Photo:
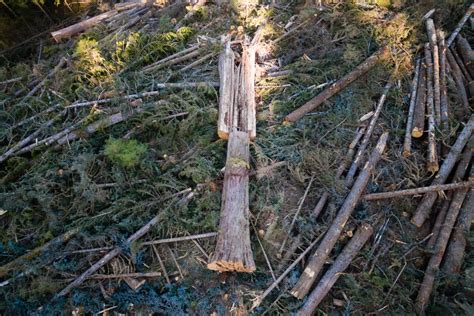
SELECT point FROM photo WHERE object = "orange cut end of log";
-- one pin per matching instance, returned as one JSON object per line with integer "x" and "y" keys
{"x": 416, "y": 132}
{"x": 229, "y": 266}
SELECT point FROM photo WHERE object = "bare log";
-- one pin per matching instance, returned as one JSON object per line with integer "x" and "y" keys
{"x": 318, "y": 259}
{"x": 197, "y": 62}
{"x": 430, "y": 27}
{"x": 177, "y": 239}
{"x": 467, "y": 54}
{"x": 457, "y": 75}
{"x": 246, "y": 101}
{"x": 432, "y": 159}
{"x": 424, "y": 207}
{"x": 125, "y": 275}
{"x": 465, "y": 73}
{"x": 411, "y": 111}
{"x": 440, "y": 217}
{"x": 227, "y": 86}
{"x": 172, "y": 62}
{"x": 173, "y": 56}
{"x": 420, "y": 107}
{"x": 321, "y": 203}
{"x": 416, "y": 191}
{"x": 459, "y": 26}
{"x": 10, "y": 81}
{"x": 433, "y": 265}
{"x": 233, "y": 251}
{"x": 351, "y": 151}
{"x": 338, "y": 85}
{"x": 365, "y": 141}
{"x": 442, "y": 82}
{"x": 343, "y": 260}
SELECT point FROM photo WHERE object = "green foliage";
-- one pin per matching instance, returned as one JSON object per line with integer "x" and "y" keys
{"x": 126, "y": 153}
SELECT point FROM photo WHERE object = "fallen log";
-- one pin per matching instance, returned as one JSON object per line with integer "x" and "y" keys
{"x": 338, "y": 85}
{"x": 174, "y": 61}
{"x": 431, "y": 30}
{"x": 197, "y": 62}
{"x": 343, "y": 260}
{"x": 457, "y": 75}
{"x": 439, "y": 221}
{"x": 442, "y": 82}
{"x": 233, "y": 251}
{"x": 416, "y": 191}
{"x": 467, "y": 54}
{"x": 317, "y": 260}
{"x": 424, "y": 207}
{"x": 411, "y": 111}
{"x": 350, "y": 152}
{"x": 459, "y": 26}
{"x": 426, "y": 287}
{"x": 368, "y": 134}
{"x": 432, "y": 159}
{"x": 321, "y": 203}
{"x": 227, "y": 87}
{"x": 420, "y": 106}
{"x": 465, "y": 73}
{"x": 246, "y": 94}
{"x": 10, "y": 81}
{"x": 173, "y": 56}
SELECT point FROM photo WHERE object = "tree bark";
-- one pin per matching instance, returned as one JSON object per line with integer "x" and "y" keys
{"x": 318, "y": 259}
{"x": 436, "y": 86}
{"x": 227, "y": 86}
{"x": 246, "y": 101}
{"x": 420, "y": 107}
{"x": 424, "y": 208}
{"x": 442, "y": 83}
{"x": 465, "y": 73}
{"x": 337, "y": 86}
{"x": 338, "y": 267}
{"x": 411, "y": 111}
{"x": 233, "y": 250}
{"x": 432, "y": 159}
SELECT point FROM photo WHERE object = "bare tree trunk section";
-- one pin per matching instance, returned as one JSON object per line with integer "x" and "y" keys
{"x": 321, "y": 203}
{"x": 246, "y": 104}
{"x": 337, "y": 86}
{"x": 233, "y": 251}
{"x": 411, "y": 111}
{"x": 420, "y": 107}
{"x": 338, "y": 267}
{"x": 318, "y": 259}
{"x": 430, "y": 27}
{"x": 442, "y": 83}
{"x": 432, "y": 159}
{"x": 226, "y": 91}
{"x": 424, "y": 207}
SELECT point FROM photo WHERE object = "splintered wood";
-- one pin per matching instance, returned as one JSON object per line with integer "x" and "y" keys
{"x": 237, "y": 123}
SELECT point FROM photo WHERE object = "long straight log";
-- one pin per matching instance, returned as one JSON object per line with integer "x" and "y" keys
{"x": 338, "y": 267}
{"x": 432, "y": 159}
{"x": 321, "y": 203}
{"x": 411, "y": 111}
{"x": 368, "y": 134}
{"x": 433, "y": 265}
{"x": 465, "y": 73}
{"x": 338, "y": 85}
{"x": 227, "y": 86}
{"x": 430, "y": 28}
{"x": 173, "y": 56}
{"x": 319, "y": 257}
{"x": 424, "y": 207}
{"x": 442, "y": 82}
{"x": 415, "y": 191}
{"x": 350, "y": 151}
{"x": 233, "y": 250}
{"x": 172, "y": 62}
{"x": 467, "y": 54}
{"x": 459, "y": 26}
{"x": 420, "y": 106}
{"x": 246, "y": 102}
{"x": 457, "y": 75}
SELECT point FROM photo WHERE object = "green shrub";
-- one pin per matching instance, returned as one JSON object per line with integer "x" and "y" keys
{"x": 126, "y": 153}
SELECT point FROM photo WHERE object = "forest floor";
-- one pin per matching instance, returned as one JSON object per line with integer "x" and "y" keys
{"x": 166, "y": 159}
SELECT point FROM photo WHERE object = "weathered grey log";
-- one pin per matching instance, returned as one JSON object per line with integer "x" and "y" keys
{"x": 343, "y": 260}
{"x": 465, "y": 73}
{"x": 420, "y": 107}
{"x": 246, "y": 101}
{"x": 227, "y": 87}
{"x": 411, "y": 111}
{"x": 459, "y": 26}
{"x": 337, "y": 86}
{"x": 439, "y": 221}
{"x": 432, "y": 159}
{"x": 430, "y": 28}
{"x": 442, "y": 82}
{"x": 424, "y": 207}
{"x": 321, "y": 203}
{"x": 318, "y": 259}
{"x": 233, "y": 251}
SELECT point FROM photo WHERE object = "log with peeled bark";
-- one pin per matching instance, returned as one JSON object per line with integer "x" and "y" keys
{"x": 87, "y": 24}
{"x": 233, "y": 251}
{"x": 457, "y": 75}
{"x": 418, "y": 125}
{"x": 246, "y": 106}
{"x": 227, "y": 86}
{"x": 467, "y": 54}
{"x": 338, "y": 85}
{"x": 368, "y": 134}
{"x": 432, "y": 159}
{"x": 442, "y": 82}
{"x": 426, "y": 287}
{"x": 424, "y": 207}
{"x": 411, "y": 111}
{"x": 319, "y": 257}
{"x": 459, "y": 26}
{"x": 343, "y": 260}
{"x": 430, "y": 28}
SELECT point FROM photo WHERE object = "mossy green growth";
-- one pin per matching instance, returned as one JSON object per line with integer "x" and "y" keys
{"x": 126, "y": 153}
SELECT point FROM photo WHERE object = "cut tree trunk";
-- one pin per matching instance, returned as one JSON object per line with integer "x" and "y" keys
{"x": 226, "y": 91}
{"x": 337, "y": 86}
{"x": 457, "y": 75}
{"x": 233, "y": 251}
{"x": 411, "y": 111}
{"x": 442, "y": 82}
{"x": 338, "y": 267}
{"x": 246, "y": 102}
{"x": 318, "y": 259}
{"x": 432, "y": 159}
{"x": 430, "y": 28}
{"x": 424, "y": 208}
{"x": 420, "y": 107}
